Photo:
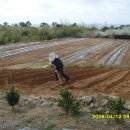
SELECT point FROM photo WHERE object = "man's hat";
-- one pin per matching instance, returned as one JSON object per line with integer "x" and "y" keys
{"x": 52, "y": 56}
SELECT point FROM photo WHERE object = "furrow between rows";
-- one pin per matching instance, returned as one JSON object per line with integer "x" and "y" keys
{"x": 84, "y": 52}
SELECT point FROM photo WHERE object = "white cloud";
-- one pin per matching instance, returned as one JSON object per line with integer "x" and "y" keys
{"x": 87, "y": 11}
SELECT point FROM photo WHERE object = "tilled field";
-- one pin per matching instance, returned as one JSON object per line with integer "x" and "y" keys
{"x": 84, "y": 81}
{"x": 84, "y": 52}
{"x": 24, "y": 64}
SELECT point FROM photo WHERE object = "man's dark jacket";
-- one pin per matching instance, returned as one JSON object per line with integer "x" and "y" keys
{"x": 58, "y": 63}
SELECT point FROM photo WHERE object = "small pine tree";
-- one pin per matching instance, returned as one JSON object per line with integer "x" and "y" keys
{"x": 117, "y": 107}
{"x": 75, "y": 108}
{"x": 69, "y": 103}
{"x": 12, "y": 95}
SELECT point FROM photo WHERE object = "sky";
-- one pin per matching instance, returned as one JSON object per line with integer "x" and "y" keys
{"x": 65, "y": 11}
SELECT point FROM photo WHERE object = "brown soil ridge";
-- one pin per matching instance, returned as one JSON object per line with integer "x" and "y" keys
{"x": 83, "y": 80}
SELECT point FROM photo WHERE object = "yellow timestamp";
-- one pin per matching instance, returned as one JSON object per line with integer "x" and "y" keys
{"x": 110, "y": 116}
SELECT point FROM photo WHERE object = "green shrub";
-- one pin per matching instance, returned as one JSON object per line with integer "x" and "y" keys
{"x": 69, "y": 103}
{"x": 75, "y": 108}
{"x": 117, "y": 107}
{"x": 12, "y": 95}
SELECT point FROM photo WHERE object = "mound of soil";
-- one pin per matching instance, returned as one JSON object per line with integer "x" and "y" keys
{"x": 84, "y": 81}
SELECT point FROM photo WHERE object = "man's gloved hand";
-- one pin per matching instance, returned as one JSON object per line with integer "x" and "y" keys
{"x": 50, "y": 64}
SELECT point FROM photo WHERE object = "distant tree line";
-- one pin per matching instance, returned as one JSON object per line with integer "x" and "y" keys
{"x": 112, "y": 27}
{"x": 120, "y": 32}
{"x": 25, "y": 31}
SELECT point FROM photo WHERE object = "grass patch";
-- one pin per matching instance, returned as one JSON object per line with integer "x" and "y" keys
{"x": 29, "y": 120}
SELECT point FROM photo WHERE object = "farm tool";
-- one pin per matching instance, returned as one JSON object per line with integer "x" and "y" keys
{"x": 59, "y": 78}
{"x": 63, "y": 83}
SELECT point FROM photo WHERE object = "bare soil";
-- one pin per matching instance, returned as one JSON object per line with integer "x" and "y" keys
{"x": 83, "y": 81}
{"x": 28, "y": 72}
